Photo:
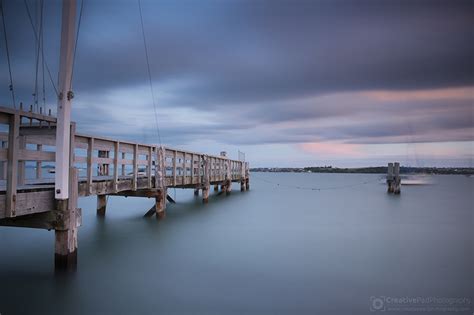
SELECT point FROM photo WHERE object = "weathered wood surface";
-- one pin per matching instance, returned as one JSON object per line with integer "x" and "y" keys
{"x": 106, "y": 166}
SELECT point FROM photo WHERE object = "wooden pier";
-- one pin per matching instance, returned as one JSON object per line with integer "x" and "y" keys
{"x": 97, "y": 166}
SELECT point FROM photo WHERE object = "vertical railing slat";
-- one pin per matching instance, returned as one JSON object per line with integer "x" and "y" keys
{"x": 148, "y": 172}
{"x": 135, "y": 167}
{"x": 39, "y": 147}
{"x": 184, "y": 169}
{"x": 21, "y": 163}
{"x": 174, "y": 167}
{"x": 12, "y": 172}
{"x": 4, "y": 163}
{"x": 116, "y": 164}
{"x": 123, "y": 165}
{"x": 192, "y": 168}
{"x": 90, "y": 159}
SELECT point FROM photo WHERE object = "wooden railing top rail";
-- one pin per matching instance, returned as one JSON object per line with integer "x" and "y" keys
{"x": 26, "y": 114}
{"x": 51, "y": 119}
{"x": 147, "y": 145}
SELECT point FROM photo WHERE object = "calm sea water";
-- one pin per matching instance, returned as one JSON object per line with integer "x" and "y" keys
{"x": 272, "y": 250}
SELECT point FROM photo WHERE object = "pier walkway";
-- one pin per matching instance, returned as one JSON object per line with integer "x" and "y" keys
{"x": 97, "y": 166}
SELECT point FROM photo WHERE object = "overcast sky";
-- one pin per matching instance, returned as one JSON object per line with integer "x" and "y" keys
{"x": 291, "y": 83}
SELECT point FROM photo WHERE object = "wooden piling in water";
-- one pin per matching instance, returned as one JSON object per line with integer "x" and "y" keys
{"x": 101, "y": 205}
{"x": 393, "y": 178}
{"x": 205, "y": 194}
{"x": 69, "y": 217}
{"x": 228, "y": 187}
{"x": 160, "y": 203}
{"x": 242, "y": 185}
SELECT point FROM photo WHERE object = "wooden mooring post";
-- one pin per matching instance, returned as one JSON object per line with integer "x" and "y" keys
{"x": 393, "y": 178}
{"x": 101, "y": 205}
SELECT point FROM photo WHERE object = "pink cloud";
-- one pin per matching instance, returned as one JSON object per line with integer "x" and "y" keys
{"x": 332, "y": 149}
{"x": 421, "y": 95}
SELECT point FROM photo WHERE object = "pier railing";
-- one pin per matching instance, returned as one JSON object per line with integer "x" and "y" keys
{"x": 106, "y": 166}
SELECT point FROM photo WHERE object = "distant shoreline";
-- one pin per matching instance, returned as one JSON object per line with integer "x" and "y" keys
{"x": 368, "y": 170}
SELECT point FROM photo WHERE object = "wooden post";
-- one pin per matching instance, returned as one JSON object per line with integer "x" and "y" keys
{"x": 174, "y": 167}
{"x": 90, "y": 160}
{"x": 39, "y": 147}
{"x": 65, "y": 249}
{"x": 150, "y": 163}
{"x": 123, "y": 165}
{"x": 196, "y": 191}
{"x": 12, "y": 166}
{"x": 68, "y": 32}
{"x": 192, "y": 168}
{"x": 397, "y": 179}
{"x": 216, "y": 187}
{"x": 4, "y": 164}
{"x": 101, "y": 205}
{"x": 135, "y": 167}
{"x": 247, "y": 176}
{"x": 228, "y": 187}
{"x": 228, "y": 181}
{"x": 21, "y": 163}
{"x": 205, "y": 187}
{"x": 393, "y": 178}
{"x": 160, "y": 203}
{"x": 211, "y": 169}
{"x": 103, "y": 168}
{"x": 242, "y": 175}
{"x": 160, "y": 168}
{"x": 390, "y": 178}
{"x": 184, "y": 169}
{"x": 116, "y": 165}
{"x": 205, "y": 194}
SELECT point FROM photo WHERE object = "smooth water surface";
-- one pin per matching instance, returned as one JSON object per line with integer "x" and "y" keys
{"x": 273, "y": 249}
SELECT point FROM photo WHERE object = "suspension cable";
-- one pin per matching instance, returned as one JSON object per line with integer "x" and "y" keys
{"x": 42, "y": 61}
{"x": 8, "y": 54}
{"x": 36, "y": 38}
{"x": 38, "y": 49}
{"x": 76, "y": 41}
{"x": 149, "y": 72}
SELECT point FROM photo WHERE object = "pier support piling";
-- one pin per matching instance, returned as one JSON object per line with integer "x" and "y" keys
{"x": 69, "y": 219}
{"x": 160, "y": 203}
{"x": 216, "y": 187}
{"x": 228, "y": 187}
{"x": 196, "y": 191}
{"x": 393, "y": 178}
{"x": 205, "y": 194}
{"x": 101, "y": 205}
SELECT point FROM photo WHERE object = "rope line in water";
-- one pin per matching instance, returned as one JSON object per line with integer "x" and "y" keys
{"x": 315, "y": 188}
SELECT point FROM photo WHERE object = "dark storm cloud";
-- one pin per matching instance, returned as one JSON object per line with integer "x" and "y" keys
{"x": 263, "y": 61}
